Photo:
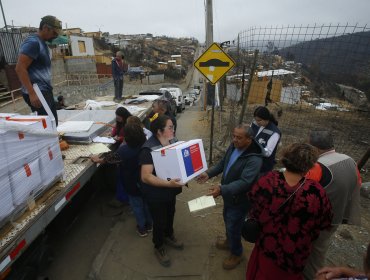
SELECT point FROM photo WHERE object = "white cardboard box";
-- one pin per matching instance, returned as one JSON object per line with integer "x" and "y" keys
{"x": 182, "y": 160}
{"x": 6, "y": 199}
{"x": 3, "y": 116}
{"x": 51, "y": 165}
{"x": 35, "y": 123}
{"x": 3, "y": 161}
{"x": 24, "y": 179}
{"x": 18, "y": 144}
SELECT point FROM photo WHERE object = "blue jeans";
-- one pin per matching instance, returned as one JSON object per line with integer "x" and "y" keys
{"x": 121, "y": 194}
{"x": 234, "y": 216}
{"x": 118, "y": 88}
{"x": 49, "y": 98}
{"x": 141, "y": 211}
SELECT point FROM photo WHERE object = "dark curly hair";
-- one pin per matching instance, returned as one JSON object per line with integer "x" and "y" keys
{"x": 159, "y": 124}
{"x": 299, "y": 157}
{"x": 134, "y": 135}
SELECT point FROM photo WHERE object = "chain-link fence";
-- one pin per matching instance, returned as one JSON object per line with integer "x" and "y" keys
{"x": 310, "y": 77}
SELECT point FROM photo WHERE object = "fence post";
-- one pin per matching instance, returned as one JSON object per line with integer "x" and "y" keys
{"x": 253, "y": 69}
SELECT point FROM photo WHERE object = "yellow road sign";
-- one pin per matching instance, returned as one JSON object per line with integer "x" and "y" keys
{"x": 214, "y": 63}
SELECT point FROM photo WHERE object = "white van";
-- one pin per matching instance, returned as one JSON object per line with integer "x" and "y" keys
{"x": 178, "y": 97}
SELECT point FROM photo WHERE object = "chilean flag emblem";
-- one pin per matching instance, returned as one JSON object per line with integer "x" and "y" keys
{"x": 192, "y": 159}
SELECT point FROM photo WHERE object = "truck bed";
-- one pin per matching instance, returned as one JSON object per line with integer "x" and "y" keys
{"x": 18, "y": 234}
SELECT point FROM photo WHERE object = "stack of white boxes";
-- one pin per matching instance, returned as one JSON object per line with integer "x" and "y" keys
{"x": 32, "y": 155}
{"x": 6, "y": 200}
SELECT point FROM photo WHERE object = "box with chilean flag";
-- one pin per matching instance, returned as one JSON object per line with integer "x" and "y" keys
{"x": 183, "y": 160}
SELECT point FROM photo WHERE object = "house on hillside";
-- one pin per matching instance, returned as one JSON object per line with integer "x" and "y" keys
{"x": 177, "y": 58}
{"x": 82, "y": 46}
{"x": 171, "y": 63}
{"x": 94, "y": 34}
{"x": 162, "y": 65}
{"x": 73, "y": 31}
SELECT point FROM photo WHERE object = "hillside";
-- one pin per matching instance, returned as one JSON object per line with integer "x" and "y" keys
{"x": 343, "y": 59}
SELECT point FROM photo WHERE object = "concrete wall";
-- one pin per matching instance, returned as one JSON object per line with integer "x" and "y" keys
{"x": 291, "y": 95}
{"x": 80, "y": 65}
{"x": 58, "y": 71}
{"x": 154, "y": 79}
{"x": 76, "y": 94}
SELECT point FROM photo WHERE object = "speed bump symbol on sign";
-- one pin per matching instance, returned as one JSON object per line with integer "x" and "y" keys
{"x": 214, "y": 63}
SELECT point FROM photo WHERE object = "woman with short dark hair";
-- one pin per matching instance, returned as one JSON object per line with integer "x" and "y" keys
{"x": 291, "y": 212}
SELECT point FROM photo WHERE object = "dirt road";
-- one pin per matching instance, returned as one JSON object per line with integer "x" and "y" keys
{"x": 101, "y": 245}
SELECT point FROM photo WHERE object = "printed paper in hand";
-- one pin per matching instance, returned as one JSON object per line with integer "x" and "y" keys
{"x": 98, "y": 148}
{"x": 104, "y": 140}
{"x": 200, "y": 203}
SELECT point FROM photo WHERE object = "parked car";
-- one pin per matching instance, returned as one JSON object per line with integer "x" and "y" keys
{"x": 165, "y": 95}
{"x": 170, "y": 86}
{"x": 189, "y": 100}
{"x": 178, "y": 97}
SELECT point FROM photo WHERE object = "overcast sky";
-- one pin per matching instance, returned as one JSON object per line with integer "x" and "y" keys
{"x": 185, "y": 18}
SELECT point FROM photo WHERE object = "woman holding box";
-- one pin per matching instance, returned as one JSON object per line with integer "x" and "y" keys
{"x": 160, "y": 194}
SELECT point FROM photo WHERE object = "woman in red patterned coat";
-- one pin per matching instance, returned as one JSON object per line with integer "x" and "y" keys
{"x": 291, "y": 211}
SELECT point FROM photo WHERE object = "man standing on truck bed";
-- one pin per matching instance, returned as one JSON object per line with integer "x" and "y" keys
{"x": 34, "y": 65}
{"x": 119, "y": 68}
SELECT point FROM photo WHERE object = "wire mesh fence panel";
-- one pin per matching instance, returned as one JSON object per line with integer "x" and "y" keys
{"x": 310, "y": 77}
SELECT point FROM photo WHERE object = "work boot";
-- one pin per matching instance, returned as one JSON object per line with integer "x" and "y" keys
{"x": 162, "y": 256}
{"x": 232, "y": 261}
{"x": 222, "y": 244}
{"x": 174, "y": 243}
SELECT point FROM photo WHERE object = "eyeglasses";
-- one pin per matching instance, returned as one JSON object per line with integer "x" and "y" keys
{"x": 55, "y": 33}
{"x": 170, "y": 127}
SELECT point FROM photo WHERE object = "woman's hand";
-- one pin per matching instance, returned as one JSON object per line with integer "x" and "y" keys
{"x": 202, "y": 178}
{"x": 329, "y": 273}
{"x": 96, "y": 159}
{"x": 176, "y": 183}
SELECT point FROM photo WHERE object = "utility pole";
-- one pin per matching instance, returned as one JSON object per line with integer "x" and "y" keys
{"x": 211, "y": 88}
{"x": 209, "y": 41}
{"x": 209, "y": 23}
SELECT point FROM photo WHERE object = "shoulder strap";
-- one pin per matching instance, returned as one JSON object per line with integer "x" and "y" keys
{"x": 300, "y": 186}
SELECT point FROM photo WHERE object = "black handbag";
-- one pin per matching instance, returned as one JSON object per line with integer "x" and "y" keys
{"x": 251, "y": 228}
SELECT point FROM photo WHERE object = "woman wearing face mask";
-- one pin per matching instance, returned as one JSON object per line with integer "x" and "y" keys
{"x": 160, "y": 194}
{"x": 267, "y": 134}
